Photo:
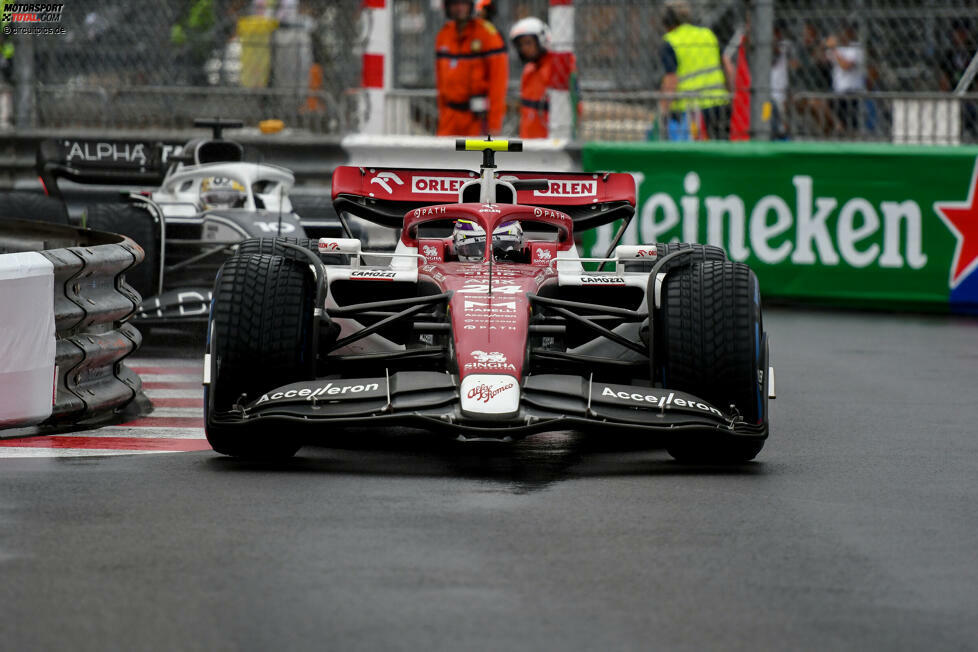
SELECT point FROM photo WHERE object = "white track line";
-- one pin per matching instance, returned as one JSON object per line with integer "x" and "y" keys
{"x": 142, "y": 433}
{"x": 174, "y": 393}
{"x": 165, "y": 362}
{"x": 176, "y": 412}
{"x": 195, "y": 379}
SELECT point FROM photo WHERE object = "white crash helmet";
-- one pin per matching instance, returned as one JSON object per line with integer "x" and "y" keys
{"x": 531, "y": 27}
{"x": 221, "y": 192}
{"x": 507, "y": 238}
{"x": 470, "y": 240}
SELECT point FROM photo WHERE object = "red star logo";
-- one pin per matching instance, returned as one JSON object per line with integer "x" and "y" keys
{"x": 962, "y": 219}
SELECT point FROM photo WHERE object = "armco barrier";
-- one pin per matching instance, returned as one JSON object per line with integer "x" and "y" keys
{"x": 859, "y": 225}
{"x": 90, "y": 300}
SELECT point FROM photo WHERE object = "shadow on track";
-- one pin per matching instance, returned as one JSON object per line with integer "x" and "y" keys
{"x": 526, "y": 466}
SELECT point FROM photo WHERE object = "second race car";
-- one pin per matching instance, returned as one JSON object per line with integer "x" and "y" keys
{"x": 205, "y": 199}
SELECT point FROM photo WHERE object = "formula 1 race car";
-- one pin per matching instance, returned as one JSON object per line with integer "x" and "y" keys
{"x": 207, "y": 199}
{"x": 484, "y": 324}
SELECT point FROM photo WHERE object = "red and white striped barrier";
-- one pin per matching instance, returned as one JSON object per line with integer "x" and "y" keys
{"x": 377, "y": 64}
{"x": 561, "y": 20}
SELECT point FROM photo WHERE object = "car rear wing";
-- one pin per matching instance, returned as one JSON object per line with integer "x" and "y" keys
{"x": 115, "y": 162}
{"x": 103, "y": 161}
{"x": 384, "y": 195}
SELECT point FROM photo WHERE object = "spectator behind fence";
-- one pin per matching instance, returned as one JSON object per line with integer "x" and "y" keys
{"x": 951, "y": 63}
{"x": 691, "y": 58}
{"x": 193, "y": 35}
{"x": 811, "y": 71}
{"x": 779, "y": 81}
{"x": 848, "y": 59}
{"x": 735, "y": 63}
{"x": 471, "y": 71}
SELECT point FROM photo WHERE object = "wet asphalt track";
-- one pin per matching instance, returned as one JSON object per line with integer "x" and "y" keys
{"x": 857, "y": 529}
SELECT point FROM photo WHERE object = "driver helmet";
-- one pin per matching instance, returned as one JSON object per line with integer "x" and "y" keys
{"x": 507, "y": 239}
{"x": 221, "y": 192}
{"x": 470, "y": 240}
{"x": 531, "y": 27}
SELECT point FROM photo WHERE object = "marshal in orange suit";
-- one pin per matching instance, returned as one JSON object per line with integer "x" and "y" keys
{"x": 542, "y": 70}
{"x": 471, "y": 71}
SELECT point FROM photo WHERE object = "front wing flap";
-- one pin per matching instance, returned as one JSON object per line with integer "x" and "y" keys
{"x": 430, "y": 400}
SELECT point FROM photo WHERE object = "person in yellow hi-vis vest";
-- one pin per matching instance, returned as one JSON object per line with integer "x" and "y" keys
{"x": 691, "y": 58}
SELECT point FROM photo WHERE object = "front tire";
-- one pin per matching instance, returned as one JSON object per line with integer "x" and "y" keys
{"x": 260, "y": 337}
{"x": 712, "y": 346}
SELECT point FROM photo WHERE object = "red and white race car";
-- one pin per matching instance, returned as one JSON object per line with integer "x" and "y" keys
{"x": 484, "y": 323}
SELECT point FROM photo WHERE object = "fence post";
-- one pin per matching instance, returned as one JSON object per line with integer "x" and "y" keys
{"x": 377, "y": 64}
{"x": 761, "y": 35}
{"x": 562, "y": 109}
{"x": 24, "y": 101}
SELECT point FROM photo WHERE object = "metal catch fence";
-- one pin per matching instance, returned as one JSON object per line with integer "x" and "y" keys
{"x": 880, "y": 70}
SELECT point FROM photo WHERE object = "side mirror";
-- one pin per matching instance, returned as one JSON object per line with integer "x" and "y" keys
{"x": 639, "y": 252}
{"x": 349, "y": 246}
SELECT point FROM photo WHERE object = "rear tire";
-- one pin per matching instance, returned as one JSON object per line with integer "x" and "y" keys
{"x": 140, "y": 226}
{"x": 275, "y": 247}
{"x": 33, "y": 206}
{"x": 260, "y": 338}
{"x": 700, "y": 254}
{"x": 313, "y": 206}
{"x": 711, "y": 346}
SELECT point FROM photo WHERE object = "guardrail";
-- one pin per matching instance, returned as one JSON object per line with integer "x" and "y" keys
{"x": 89, "y": 306}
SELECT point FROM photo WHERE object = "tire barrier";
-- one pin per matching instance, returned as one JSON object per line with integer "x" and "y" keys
{"x": 82, "y": 370}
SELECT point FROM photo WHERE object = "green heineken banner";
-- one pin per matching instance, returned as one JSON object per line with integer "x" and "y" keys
{"x": 849, "y": 224}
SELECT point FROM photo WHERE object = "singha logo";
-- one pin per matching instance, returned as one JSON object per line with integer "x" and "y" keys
{"x": 482, "y": 356}
{"x": 429, "y": 251}
{"x": 544, "y": 254}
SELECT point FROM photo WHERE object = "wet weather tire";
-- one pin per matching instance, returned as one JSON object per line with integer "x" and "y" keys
{"x": 260, "y": 338}
{"x": 711, "y": 346}
{"x": 275, "y": 247}
{"x": 139, "y": 225}
{"x": 699, "y": 253}
{"x": 33, "y": 206}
